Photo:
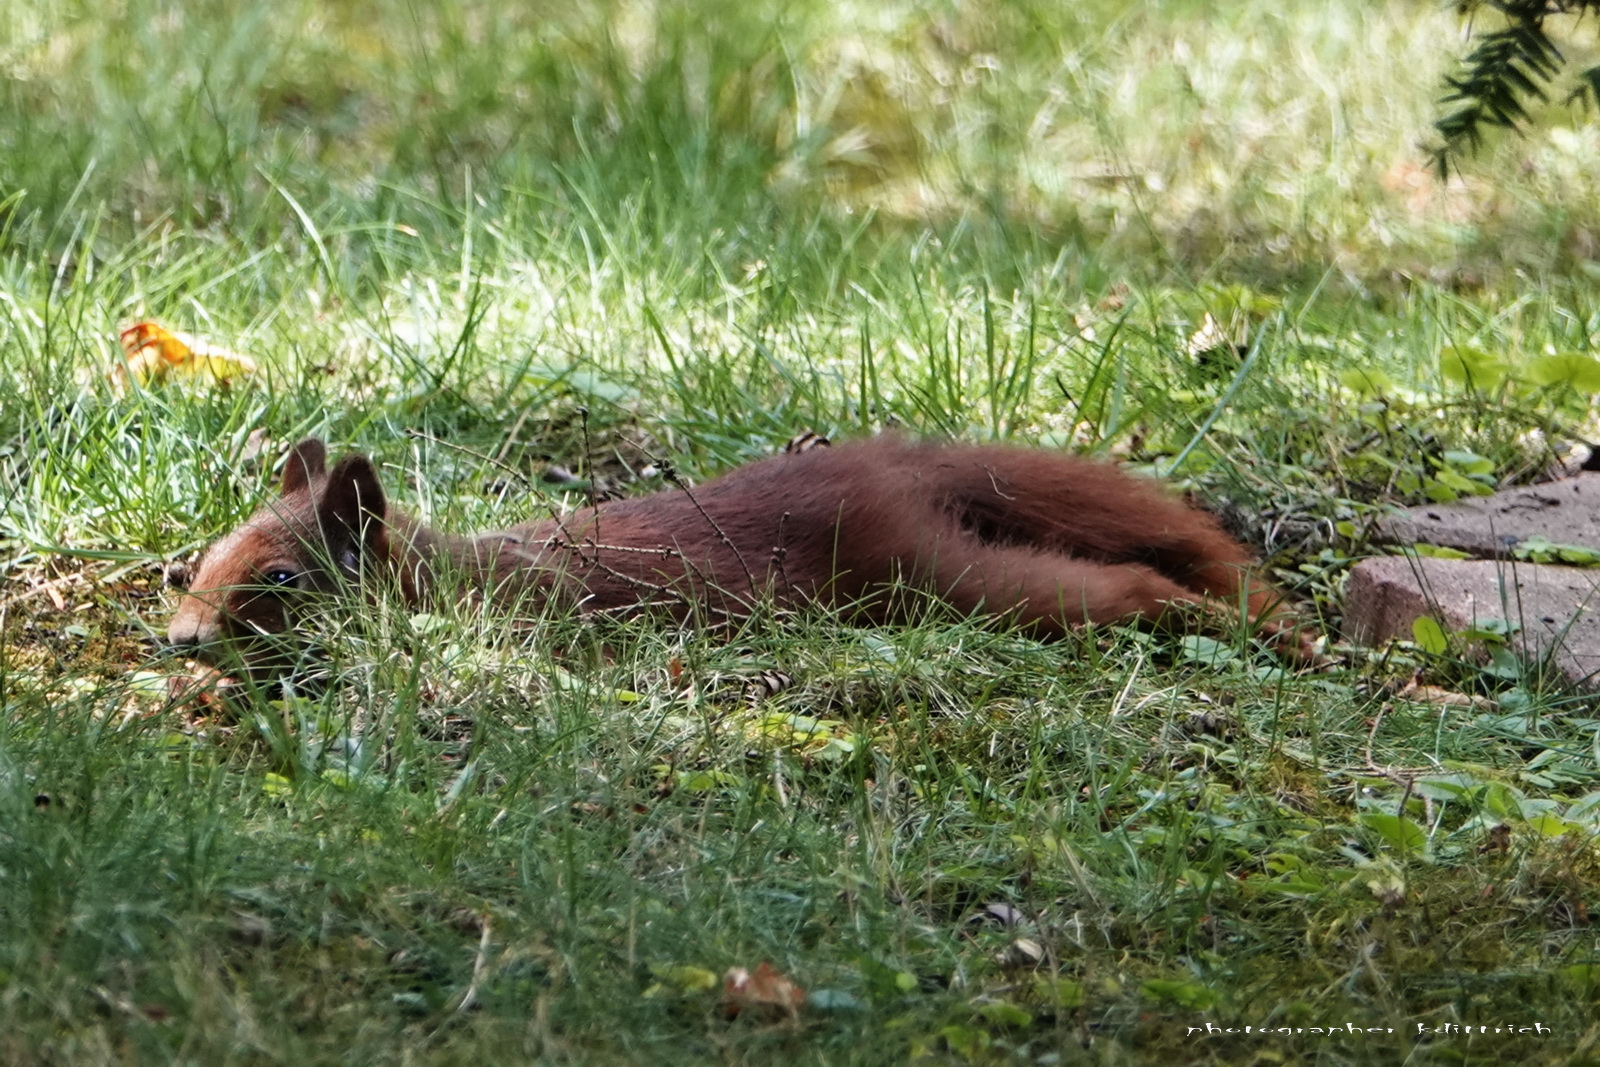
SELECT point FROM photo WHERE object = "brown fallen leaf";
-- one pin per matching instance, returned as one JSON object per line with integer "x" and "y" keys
{"x": 1497, "y": 840}
{"x": 765, "y": 991}
{"x": 206, "y": 690}
{"x": 1444, "y": 698}
{"x": 256, "y": 447}
{"x": 1022, "y": 953}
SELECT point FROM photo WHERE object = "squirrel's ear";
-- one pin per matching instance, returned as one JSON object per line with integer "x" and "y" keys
{"x": 351, "y": 509}
{"x": 305, "y": 464}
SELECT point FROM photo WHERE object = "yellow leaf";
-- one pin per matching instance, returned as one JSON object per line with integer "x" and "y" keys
{"x": 156, "y": 354}
{"x": 683, "y": 979}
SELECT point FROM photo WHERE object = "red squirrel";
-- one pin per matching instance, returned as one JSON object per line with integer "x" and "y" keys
{"x": 1040, "y": 539}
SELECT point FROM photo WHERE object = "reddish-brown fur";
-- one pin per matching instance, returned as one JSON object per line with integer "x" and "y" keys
{"x": 1047, "y": 540}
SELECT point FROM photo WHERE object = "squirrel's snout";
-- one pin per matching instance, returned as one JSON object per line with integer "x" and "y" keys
{"x": 188, "y": 631}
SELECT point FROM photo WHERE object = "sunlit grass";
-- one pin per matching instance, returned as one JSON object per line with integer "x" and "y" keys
{"x": 1175, "y": 141}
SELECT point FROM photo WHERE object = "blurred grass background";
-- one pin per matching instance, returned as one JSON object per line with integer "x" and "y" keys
{"x": 1178, "y": 140}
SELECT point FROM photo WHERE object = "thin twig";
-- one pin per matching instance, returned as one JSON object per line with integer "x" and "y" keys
{"x": 673, "y": 591}
{"x": 492, "y": 461}
{"x": 468, "y": 997}
{"x": 1377, "y": 720}
{"x": 780, "y": 553}
{"x": 588, "y": 466}
{"x": 670, "y": 473}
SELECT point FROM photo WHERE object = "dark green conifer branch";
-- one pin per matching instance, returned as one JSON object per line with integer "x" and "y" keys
{"x": 1508, "y": 69}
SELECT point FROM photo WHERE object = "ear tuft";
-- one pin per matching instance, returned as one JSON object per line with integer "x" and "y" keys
{"x": 306, "y": 463}
{"x": 351, "y": 508}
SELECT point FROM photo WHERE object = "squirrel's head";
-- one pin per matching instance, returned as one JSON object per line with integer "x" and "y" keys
{"x": 246, "y": 588}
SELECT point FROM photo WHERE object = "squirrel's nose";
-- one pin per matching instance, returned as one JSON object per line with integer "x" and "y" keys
{"x": 187, "y": 632}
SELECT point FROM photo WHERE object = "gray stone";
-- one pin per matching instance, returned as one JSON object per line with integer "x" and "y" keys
{"x": 1565, "y": 512}
{"x": 1557, "y": 608}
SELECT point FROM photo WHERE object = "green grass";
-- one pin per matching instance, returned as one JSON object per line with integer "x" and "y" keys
{"x": 485, "y": 239}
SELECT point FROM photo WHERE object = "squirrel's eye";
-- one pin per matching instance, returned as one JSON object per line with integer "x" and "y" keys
{"x": 281, "y": 576}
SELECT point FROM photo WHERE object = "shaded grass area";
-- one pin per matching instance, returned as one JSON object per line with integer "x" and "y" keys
{"x": 481, "y": 241}
{"x": 519, "y": 866}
